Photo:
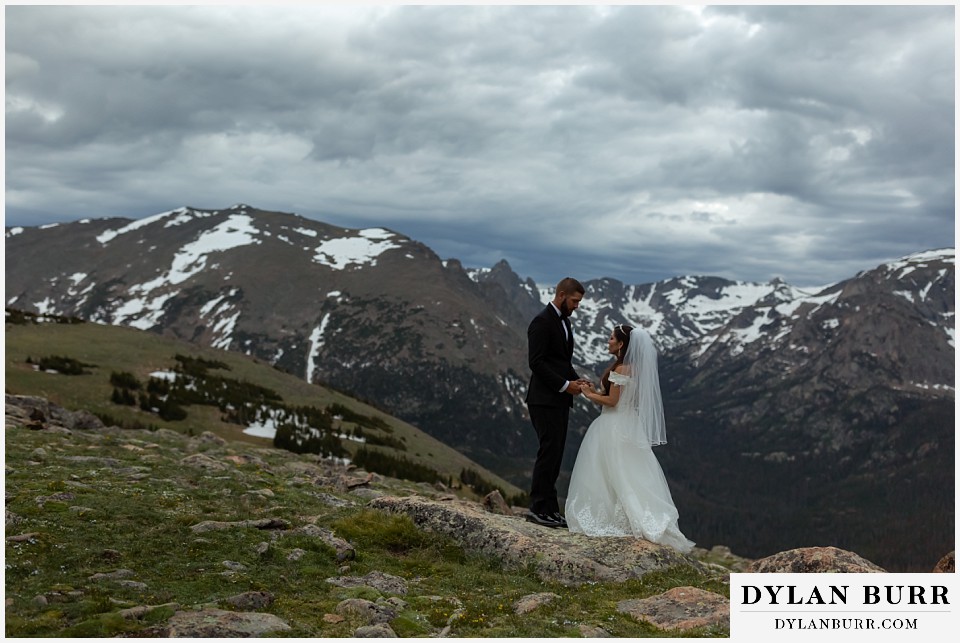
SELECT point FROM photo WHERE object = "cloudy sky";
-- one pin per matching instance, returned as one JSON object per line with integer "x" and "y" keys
{"x": 637, "y": 142}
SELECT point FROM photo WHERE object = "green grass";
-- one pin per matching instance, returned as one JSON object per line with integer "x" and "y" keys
{"x": 108, "y": 349}
{"x": 138, "y": 516}
{"x": 144, "y": 526}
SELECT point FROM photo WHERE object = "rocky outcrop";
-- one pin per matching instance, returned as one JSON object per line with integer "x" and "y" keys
{"x": 386, "y": 583}
{"x": 556, "y": 555}
{"x": 214, "y": 623}
{"x": 37, "y": 413}
{"x": 946, "y": 564}
{"x": 261, "y": 523}
{"x": 494, "y": 503}
{"x": 813, "y": 560}
{"x": 533, "y": 601}
{"x": 681, "y": 608}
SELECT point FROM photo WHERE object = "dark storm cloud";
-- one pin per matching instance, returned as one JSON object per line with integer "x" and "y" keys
{"x": 637, "y": 143}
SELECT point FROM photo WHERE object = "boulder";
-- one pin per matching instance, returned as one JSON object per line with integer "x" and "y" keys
{"x": 946, "y": 564}
{"x": 555, "y": 554}
{"x": 813, "y": 560}
{"x": 384, "y": 583}
{"x": 264, "y": 523}
{"x": 214, "y": 623}
{"x": 250, "y": 601}
{"x": 531, "y": 602}
{"x": 494, "y": 503}
{"x": 345, "y": 551}
{"x": 369, "y": 612}
{"x": 681, "y": 608}
{"x": 381, "y": 631}
{"x": 203, "y": 461}
{"x": 40, "y": 413}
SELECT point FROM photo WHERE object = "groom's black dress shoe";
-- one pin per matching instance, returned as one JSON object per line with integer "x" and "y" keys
{"x": 544, "y": 520}
{"x": 561, "y": 521}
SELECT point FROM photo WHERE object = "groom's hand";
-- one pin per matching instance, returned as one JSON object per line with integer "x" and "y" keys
{"x": 574, "y": 388}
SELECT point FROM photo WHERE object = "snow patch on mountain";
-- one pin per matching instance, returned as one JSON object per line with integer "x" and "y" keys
{"x": 109, "y": 235}
{"x": 361, "y": 250}
{"x": 144, "y": 310}
{"x": 905, "y": 265}
{"x": 45, "y": 307}
{"x": 142, "y": 313}
{"x": 214, "y": 303}
{"x": 315, "y": 343}
{"x": 222, "y": 315}
{"x": 235, "y": 231}
{"x": 223, "y": 329}
{"x": 771, "y": 324}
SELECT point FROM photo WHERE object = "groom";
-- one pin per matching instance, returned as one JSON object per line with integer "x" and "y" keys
{"x": 553, "y": 386}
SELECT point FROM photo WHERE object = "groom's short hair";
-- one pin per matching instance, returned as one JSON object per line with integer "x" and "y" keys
{"x": 570, "y": 285}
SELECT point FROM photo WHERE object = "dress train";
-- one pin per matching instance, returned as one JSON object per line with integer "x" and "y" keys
{"x": 617, "y": 488}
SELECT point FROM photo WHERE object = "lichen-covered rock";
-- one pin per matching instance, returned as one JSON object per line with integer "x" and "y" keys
{"x": 264, "y": 523}
{"x": 385, "y": 583}
{"x": 250, "y": 601}
{"x": 494, "y": 503}
{"x": 133, "y": 613}
{"x": 593, "y": 632}
{"x": 369, "y": 612}
{"x": 203, "y": 461}
{"x": 814, "y": 560}
{"x": 214, "y": 623}
{"x": 555, "y": 554}
{"x": 116, "y": 574}
{"x": 381, "y": 631}
{"x": 531, "y": 602}
{"x": 345, "y": 551}
{"x": 946, "y": 564}
{"x": 40, "y": 414}
{"x": 681, "y": 608}
{"x": 722, "y": 556}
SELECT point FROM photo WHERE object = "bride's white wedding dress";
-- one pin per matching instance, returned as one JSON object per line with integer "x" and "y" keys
{"x": 617, "y": 487}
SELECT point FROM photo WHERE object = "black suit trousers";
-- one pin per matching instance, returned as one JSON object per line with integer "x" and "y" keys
{"x": 550, "y": 423}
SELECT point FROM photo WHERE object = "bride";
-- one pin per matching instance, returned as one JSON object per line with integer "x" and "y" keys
{"x": 617, "y": 487}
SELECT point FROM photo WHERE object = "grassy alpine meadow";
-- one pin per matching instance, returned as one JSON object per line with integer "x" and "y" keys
{"x": 100, "y": 522}
{"x": 104, "y": 349}
{"x": 105, "y": 527}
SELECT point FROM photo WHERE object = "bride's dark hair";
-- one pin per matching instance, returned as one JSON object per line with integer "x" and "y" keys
{"x": 621, "y": 332}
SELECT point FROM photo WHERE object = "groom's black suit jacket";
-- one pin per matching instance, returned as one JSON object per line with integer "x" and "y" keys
{"x": 550, "y": 355}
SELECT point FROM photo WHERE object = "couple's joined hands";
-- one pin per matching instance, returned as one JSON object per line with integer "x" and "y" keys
{"x": 580, "y": 386}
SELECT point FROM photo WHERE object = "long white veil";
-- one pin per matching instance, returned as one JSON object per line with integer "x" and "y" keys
{"x": 640, "y": 408}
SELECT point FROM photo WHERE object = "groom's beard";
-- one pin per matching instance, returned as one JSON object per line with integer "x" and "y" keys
{"x": 564, "y": 309}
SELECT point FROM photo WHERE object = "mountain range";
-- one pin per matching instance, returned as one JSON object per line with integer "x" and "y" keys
{"x": 792, "y": 413}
